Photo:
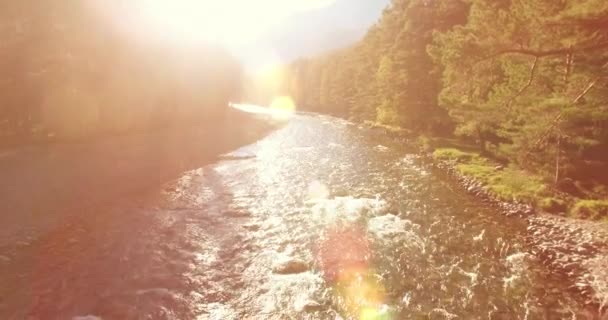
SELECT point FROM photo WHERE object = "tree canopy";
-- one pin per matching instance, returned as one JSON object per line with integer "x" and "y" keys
{"x": 525, "y": 80}
{"x": 388, "y": 76}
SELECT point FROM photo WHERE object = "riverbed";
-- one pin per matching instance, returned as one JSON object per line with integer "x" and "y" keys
{"x": 323, "y": 219}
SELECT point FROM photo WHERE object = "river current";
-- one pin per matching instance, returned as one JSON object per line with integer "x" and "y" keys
{"x": 322, "y": 219}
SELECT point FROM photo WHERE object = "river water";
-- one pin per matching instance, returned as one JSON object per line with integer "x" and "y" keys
{"x": 320, "y": 220}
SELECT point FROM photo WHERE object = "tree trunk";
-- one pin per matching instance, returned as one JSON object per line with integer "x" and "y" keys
{"x": 558, "y": 157}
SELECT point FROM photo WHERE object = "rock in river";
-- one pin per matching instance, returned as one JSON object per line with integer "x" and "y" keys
{"x": 290, "y": 266}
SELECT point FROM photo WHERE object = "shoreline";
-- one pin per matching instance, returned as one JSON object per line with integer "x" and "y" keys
{"x": 576, "y": 249}
{"x": 572, "y": 248}
{"x": 45, "y": 185}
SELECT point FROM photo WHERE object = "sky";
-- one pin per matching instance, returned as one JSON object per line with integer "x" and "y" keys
{"x": 255, "y": 31}
{"x": 228, "y": 22}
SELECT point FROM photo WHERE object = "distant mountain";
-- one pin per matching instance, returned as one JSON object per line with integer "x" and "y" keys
{"x": 317, "y": 31}
{"x": 343, "y": 23}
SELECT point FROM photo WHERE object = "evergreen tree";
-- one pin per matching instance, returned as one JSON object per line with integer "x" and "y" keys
{"x": 527, "y": 79}
{"x": 389, "y": 76}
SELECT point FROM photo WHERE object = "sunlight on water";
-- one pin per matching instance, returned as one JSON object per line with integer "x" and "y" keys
{"x": 345, "y": 253}
{"x": 317, "y": 191}
{"x": 283, "y": 103}
{"x": 281, "y": 108}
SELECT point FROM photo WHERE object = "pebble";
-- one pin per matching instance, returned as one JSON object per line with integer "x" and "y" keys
{"x": 563, "y": 245}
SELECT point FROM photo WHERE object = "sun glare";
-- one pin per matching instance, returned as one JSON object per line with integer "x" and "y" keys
{"x": 229, "y": 22}
{"x": 281, "y": 108}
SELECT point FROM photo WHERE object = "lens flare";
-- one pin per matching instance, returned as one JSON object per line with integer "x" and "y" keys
{"x": 282, "y": 108}
{"x": 382, "y": 313}
{"x": 344, "y": 255}
{"x": 283, "y": 104}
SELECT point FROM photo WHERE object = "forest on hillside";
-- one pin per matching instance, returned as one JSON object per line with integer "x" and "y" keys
{"x": 68, "y": 73}
{"x": 526, "y": 81}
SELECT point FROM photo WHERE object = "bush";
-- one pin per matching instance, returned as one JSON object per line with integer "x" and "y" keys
{"x": 515, "y": 184}
{"x": 590, "y": 209}
{"x": 508, "y": 184}
{"x": 387, "y": 114}
{"x": 424, "y": 143}
{"x": 455, "y": 155}
{"x": 552, "y": 205}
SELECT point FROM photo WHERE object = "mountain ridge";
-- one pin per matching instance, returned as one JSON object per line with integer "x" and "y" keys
{"x": 341, "y": 24}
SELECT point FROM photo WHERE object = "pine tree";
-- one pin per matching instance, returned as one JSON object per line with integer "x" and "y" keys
{"x": 527, "y": 79}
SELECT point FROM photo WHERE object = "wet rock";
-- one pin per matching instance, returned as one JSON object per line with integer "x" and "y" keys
{"x": 309, "y": 306}
{"x": 155, "y": 291}
{"x": 252, "y": 227}
{"x": 235, "y": 213}
{"x": 171, "y": 189}
{"x": 290, "y": 266}
{"x": 407, "y": 299}
{"x": 441, "y": 314}
{"x": 575, "y": 249}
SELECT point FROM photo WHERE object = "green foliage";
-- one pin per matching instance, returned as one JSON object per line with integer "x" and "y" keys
{"x": 388, "y": 77}
{"x": 451, "y": 154}
{"x": 515, "y": 184}
{"x": 522, "y": 78}
{"x": 424, "y": 143}
{"x": 526, "y": 81}
{"x": 590, "y": 209}
{"x": 387, "y": 114}
{"x": 509, "y": 184}
{"x": 552, "y": 205}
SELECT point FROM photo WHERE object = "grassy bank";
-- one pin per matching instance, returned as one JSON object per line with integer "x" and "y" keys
{"x": 388, "y": 128}
{"x": 512, "y": 184}
{"x": 508, "y": 182}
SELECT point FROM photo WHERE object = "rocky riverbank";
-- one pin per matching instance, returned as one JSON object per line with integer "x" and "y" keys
{"x": 572, "y": 248}
{"x": 477, "y": 188}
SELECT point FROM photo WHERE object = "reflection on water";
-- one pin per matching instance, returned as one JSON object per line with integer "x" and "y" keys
{"x": 391, "y": 240}
{"x": 321, "y": 220}
{"x": 281, "y": 109}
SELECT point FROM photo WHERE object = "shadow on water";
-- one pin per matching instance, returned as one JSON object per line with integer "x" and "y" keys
{"x": 44, "y": 184}
{"x": 158, "y": 257}
{"x": 79, "y": 219}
